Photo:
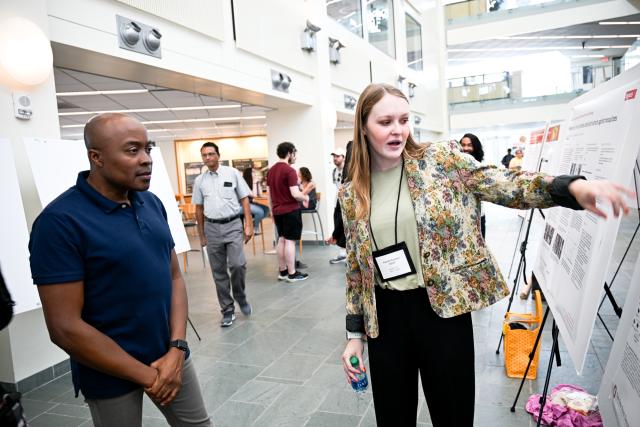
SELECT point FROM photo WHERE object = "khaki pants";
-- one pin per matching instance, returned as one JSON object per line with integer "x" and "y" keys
{"x": 225, "y": 247}
{"x": 186, "y": 410}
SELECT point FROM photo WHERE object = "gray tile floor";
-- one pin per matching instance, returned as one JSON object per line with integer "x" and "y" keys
{"x": 281, "y": 366}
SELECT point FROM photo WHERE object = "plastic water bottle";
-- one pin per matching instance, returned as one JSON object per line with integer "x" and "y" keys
{"x": 359, "y": 386}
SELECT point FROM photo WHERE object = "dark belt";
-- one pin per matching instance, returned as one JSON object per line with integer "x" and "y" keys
{"x": 222, "y": 220}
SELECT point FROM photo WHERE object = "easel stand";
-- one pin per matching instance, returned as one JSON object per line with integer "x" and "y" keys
{"x": 616, "y": 308}
{"x": 194, "y": 328}
{"x": 607, "y": 288}
{"x": 522, "y": 266}
{"x": 555, "y": 353}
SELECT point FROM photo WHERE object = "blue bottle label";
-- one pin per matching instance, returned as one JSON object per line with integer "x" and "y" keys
{"x": 362, "y": 383}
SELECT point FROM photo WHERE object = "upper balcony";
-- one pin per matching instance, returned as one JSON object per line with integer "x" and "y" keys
{"x": 520, "y": 97}
{"x": 475, "y": 20}
{"x": 518, "y": 62}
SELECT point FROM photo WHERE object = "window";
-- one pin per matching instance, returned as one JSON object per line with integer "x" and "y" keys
{"x": 348, "y": 13}
{"x": 380, "y": 25}
{"x": 414, "y": 43}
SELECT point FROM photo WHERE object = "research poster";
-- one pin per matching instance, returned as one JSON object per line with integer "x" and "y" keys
{"x": 619, "y": 395}
{"x": 540, "y": 148}
{"x": 599, "y": 141}
{"x": 55, "y": 165}
{"x": 532, "y": 153}
{"x": 14, "y": 250}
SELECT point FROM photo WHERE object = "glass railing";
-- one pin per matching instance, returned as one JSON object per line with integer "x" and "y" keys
{"x": 475, "y": 8}
{"x": 496, "y": 5}
{"x": 512, "y": 85}
{"x": 499, "y": 104}
{"x": 480, "y": 87}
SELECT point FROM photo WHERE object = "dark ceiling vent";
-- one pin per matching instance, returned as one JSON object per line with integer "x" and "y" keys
{"x": 227, "y": 124}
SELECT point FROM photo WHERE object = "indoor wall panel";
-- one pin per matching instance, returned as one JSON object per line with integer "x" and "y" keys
{"x": 204, "y": 16}
{"x": 272, "y": 30}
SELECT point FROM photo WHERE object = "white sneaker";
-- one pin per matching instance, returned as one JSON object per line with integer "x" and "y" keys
{"x": 338, "y": 259}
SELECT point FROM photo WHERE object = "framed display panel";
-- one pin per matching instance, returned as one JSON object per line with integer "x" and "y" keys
{"x": 191, "y": 172}
{"x": 242, "y": 164}
{"x": 258, "y": 164}
{"x": 260, "y": 167}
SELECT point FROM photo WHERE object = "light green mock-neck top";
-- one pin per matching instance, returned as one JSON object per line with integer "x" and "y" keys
{"x": 384, "y": 194}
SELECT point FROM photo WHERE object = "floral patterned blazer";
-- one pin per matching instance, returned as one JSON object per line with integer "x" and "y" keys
{"x": 460, "y": 273}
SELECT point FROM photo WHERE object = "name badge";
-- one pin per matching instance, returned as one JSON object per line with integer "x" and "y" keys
{"x": 393, "y": 262}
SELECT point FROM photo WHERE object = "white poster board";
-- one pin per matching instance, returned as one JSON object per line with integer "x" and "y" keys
{"x": 532, "y": 154}
{"x": 14, "y": 234}
{"x": 600, "y": 141}
{"x": 161, "y": 187}
{"x": 619, "y": 395}
{"x": 55, "y": 165}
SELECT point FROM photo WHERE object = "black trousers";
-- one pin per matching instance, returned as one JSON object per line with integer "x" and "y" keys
{"x": 413, "y": 339}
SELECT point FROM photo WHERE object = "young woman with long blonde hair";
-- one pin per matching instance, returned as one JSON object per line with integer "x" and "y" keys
{"x": 417, "y": 265}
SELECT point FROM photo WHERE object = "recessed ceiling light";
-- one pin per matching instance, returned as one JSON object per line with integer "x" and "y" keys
{"x": 619, "y": 23}
{"x": 102, "y": 92}
{"x": 475, "y": 59}
{"x": 152, "y": 110}
{"x": 169, "y": 130}
{"x": 208, "y": 119}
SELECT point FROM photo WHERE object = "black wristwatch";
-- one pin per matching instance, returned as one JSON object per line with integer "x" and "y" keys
{"x": 179, "y": 344}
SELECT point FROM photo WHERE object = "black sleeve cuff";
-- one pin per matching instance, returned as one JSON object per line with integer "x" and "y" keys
{"x": 355, "y": 323}
{"x": 559, "y": 191}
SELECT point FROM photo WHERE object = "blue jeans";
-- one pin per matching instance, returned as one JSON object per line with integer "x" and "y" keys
{"x": 259, "y": 212}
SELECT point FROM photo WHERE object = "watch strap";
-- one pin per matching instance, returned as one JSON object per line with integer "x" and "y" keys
{"x": 180, "y": 345}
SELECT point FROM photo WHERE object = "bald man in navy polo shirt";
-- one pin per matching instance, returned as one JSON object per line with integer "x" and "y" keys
{"x": 110, "y": 284}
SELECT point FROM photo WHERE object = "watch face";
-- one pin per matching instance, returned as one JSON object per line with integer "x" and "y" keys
{"x": 180, "y": 344}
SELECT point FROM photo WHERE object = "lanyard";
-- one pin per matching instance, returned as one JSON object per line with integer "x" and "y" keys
{"x": 396, "y": 217}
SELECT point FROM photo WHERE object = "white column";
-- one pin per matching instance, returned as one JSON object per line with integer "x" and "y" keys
{"x": 25, "y": 348}
{"x": 311, "y": 129}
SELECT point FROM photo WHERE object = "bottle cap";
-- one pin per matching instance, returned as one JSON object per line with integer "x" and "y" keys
{"x": 354, "y": 361}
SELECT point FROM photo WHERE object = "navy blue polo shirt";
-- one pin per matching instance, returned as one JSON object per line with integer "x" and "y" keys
{"x": 122, "y": 254}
